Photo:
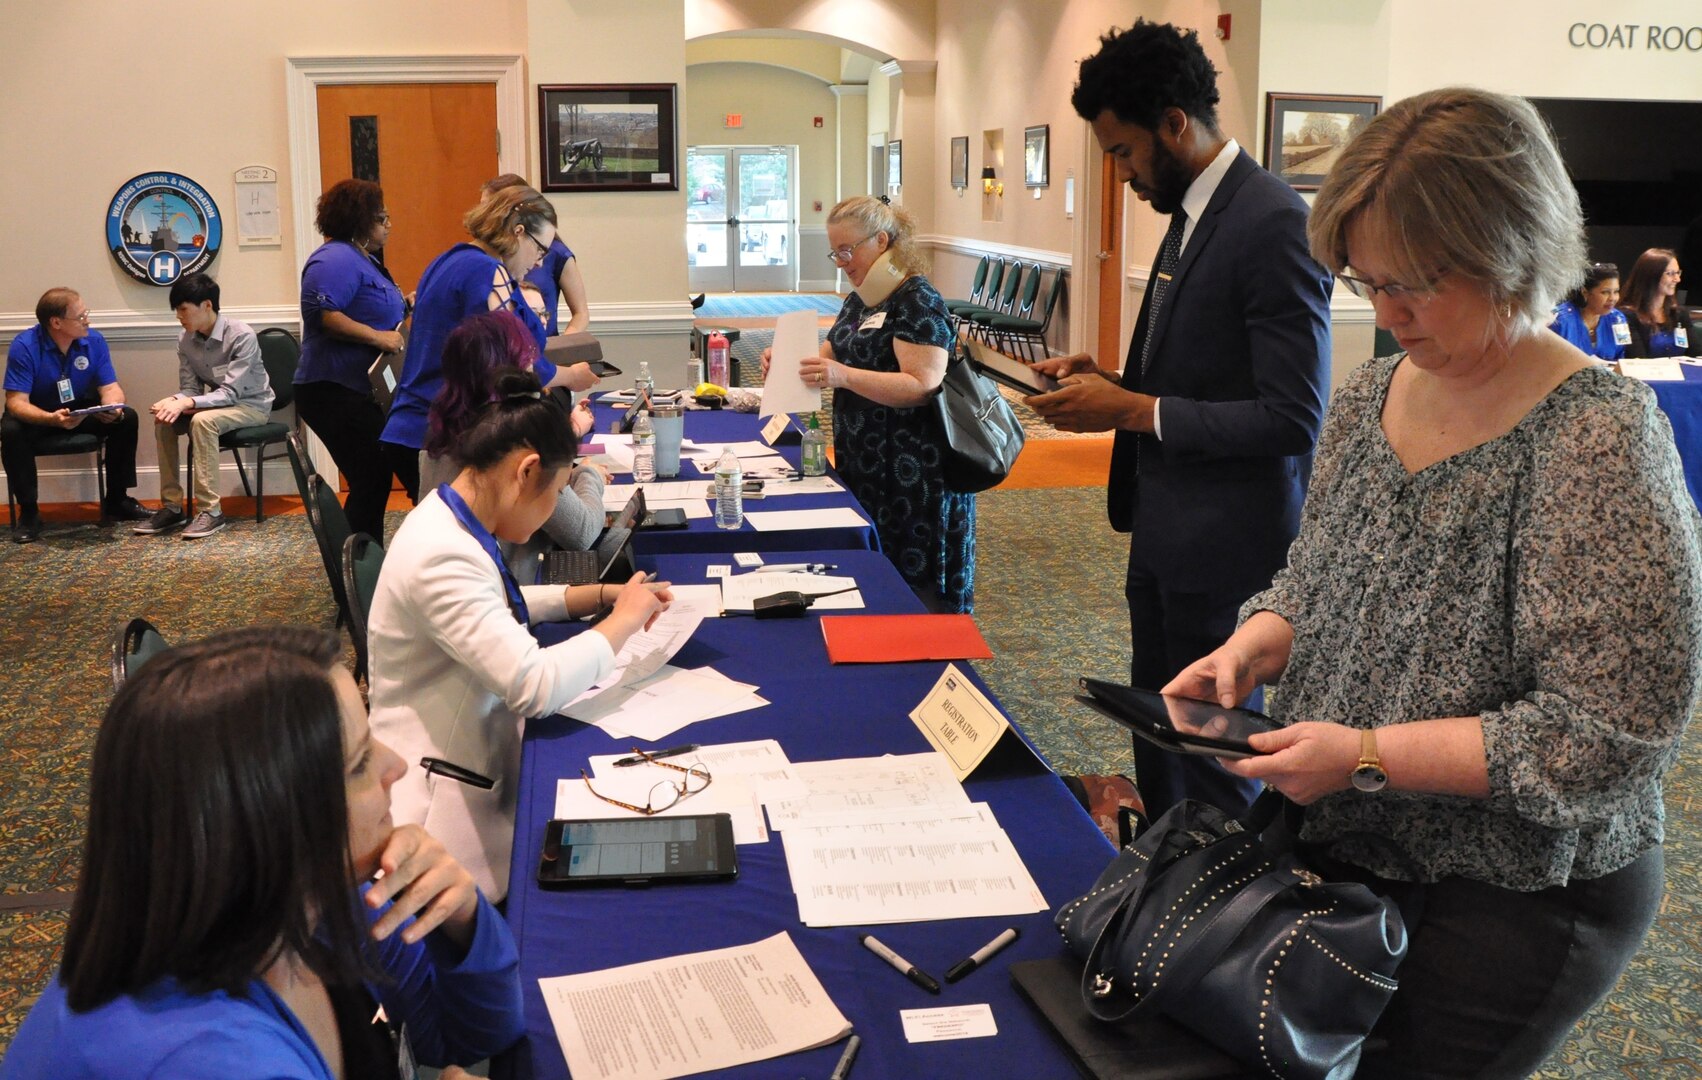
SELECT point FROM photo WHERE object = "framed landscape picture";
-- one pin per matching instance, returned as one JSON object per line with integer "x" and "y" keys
{"x": 1304, "y": 133}
{"x": 618, "y": 137}
{"x": 1036, "y": 156}
{"x": 894, "y": 163}
{"x": 960, "y": 161}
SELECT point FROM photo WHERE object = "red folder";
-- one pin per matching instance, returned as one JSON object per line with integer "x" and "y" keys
{"x": 884, "y": 639}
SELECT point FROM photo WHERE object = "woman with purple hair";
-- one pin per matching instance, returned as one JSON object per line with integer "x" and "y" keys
{"x": 472, "y": 354}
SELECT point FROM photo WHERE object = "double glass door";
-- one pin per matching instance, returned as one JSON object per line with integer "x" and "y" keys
{"x": 741, "y": 220}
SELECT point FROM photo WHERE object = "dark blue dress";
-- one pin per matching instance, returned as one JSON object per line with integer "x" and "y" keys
{"x": 890, "y": 457}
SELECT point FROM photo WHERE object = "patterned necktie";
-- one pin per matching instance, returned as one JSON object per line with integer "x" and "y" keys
{"x": 1169, "y": 254}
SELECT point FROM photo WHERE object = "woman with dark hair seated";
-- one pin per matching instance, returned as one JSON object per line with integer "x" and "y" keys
{"x": 454, "y": 667}
{"x": 226, "y": 922}
{"x": 1659, "y": 327}
{"x": 477, "y": 349}
{"x": 1590, "y": 318}
{"x": 351, "y": 309}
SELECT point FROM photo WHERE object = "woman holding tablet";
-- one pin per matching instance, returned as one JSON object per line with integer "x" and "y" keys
{"x": 455, "y": 669}
{"x": 226, "y": 922}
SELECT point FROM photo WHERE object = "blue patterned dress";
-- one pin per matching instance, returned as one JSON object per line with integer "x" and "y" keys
{"x": 890, "y": 457}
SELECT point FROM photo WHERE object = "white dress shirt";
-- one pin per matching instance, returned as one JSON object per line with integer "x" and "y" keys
{"x": 1194, "y": 204}
{"x": 454, "y": 675}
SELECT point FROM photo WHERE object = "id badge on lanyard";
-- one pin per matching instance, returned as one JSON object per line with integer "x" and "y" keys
{"x": 66, "y": 396}
{"x": 1681, "y": 337}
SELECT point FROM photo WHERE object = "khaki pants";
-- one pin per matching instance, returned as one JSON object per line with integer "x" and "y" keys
{"x": 204, "y": 427}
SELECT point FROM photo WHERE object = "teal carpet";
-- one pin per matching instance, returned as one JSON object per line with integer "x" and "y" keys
{"x": 763, "y": 305}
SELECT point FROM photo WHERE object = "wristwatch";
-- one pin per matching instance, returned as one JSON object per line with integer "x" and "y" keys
{"x": 1368, "y": 775}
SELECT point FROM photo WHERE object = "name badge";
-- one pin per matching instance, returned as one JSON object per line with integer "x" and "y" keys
{"x": 1621, "y": 333}
{"x": 65, "y": 393}
{"x": 873, "y": 322}
{"x": 1681, "y": 337}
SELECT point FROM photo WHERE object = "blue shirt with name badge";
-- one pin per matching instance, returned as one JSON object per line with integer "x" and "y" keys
{"x": 340, "y": 277}
{"x": 34, "y": 365}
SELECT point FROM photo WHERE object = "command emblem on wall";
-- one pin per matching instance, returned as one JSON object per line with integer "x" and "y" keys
{"x": 161, "y": 226}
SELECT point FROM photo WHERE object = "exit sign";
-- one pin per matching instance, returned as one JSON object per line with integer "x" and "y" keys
{"x": 735, "y": 119}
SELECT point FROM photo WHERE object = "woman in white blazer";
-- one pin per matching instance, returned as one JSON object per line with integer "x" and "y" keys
{"x": 454, "y": 668}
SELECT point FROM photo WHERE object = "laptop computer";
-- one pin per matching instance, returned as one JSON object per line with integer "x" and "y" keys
{"x": 608, "y": 560}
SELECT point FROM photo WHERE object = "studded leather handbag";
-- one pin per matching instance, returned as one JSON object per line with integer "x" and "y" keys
{"x": 980, "y": 435}
{"x": 1244, "y": 946}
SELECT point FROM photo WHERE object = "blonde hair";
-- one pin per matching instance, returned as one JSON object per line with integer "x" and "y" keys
{"x": 876, "y": 216}
{"x": 1464, "y": 180}
{"x": 492, "y": 222}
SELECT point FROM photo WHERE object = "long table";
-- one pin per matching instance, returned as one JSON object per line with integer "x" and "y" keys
{"x": 819, "y": 711}
{"x": 701, "y": 534}
{"x": 1682, "y": 402}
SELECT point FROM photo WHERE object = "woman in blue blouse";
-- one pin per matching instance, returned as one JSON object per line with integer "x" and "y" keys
{"x": 884, "y": 358}
{"x": 512, "y": 229}
{"x": 557, "y": 276}
{"x": 1659, "y": 327}
{"x": 1590, "y": 318}
{"x": 351, "y": 309}
{"x": 227, "y": 924}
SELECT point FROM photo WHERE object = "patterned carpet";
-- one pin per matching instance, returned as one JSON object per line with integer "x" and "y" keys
{"x": 1049, "y": 602}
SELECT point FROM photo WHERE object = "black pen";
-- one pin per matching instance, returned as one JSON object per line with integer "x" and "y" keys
{"x": 672, "y": 751}
{"x": 980, "y": 956}
{"x": 900, "y": 964}
{"x": 459, "y": 773}
{"x": 843, "y": 1069}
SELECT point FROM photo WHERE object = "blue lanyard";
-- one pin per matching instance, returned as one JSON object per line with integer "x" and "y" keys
{"x": 458, "y": 506}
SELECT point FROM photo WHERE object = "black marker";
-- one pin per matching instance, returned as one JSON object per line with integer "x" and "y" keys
{"x": 843, "y": 1069}
{"x": 980, "y": 956}
{"x": 459, "y": 773}
{"x": 900, "y": 964}
{"x": 672, "y": 751}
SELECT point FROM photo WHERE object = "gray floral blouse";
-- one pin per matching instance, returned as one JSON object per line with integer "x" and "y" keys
{"x": 1549, "y": 581}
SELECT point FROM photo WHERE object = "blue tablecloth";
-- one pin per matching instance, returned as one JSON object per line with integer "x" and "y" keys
{"x": 701, "y": 535}
{"x": 818, "y": 711}
{"x": 1682, "y": 402}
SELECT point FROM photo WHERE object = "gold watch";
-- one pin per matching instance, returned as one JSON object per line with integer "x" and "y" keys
{"x": 1368, "y": 775}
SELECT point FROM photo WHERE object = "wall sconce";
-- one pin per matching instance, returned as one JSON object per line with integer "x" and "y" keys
{"x": 989, "y": 182}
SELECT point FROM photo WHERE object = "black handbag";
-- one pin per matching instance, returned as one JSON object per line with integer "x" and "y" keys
{"x": 980, "y": 435}
{"x": 1198, "y": 921}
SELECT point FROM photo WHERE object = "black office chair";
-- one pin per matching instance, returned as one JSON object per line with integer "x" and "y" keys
{"x": 57, "y": 444}
{"x": 363, "y": 558}
{"x": 331, "y": 530}
{"x": 134, "y": 643}
{"x": 280, "y": 351}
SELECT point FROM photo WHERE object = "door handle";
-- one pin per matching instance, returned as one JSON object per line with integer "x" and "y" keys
{"x": 1103, "y": 255}
{"x": 732, "y": 221}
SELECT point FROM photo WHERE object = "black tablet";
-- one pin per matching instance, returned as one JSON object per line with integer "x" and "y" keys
{"x": 603, "y": 369}
{"x": 638, "y": 851}
{"x": 1179, "y": 724}
{"x": 1014, "y": 374}
{"x": 667, "y": 517}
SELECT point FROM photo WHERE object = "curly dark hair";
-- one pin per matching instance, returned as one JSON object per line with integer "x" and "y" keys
{"x": 349, "y": 210}
{"x": 1139, "y": 72}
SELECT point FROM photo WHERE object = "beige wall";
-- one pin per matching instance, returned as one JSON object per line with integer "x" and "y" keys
{"x": 902, "y": 29}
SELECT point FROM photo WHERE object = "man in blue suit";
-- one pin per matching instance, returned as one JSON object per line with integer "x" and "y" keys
{"x": 1222, "y": 394}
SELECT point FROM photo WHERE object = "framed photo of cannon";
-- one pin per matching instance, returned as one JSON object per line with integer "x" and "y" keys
{"x": 1305, "y": 133}
{"x": 620, "y": 137}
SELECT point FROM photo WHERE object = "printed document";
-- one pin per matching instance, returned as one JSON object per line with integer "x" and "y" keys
{"x": 761, "y": 763}
{"x": 848, "y": 785}
{"x": 783, "y": 391}
{"x": 660, "y": 704}
{"x": 692, "y": 1014}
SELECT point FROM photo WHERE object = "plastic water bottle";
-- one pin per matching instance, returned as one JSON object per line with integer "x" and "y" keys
{"x": 646, "y": 384}
{"x": 717, "y": 348}
{"x": 643, "y": 448}
{"x": 814, "y": 449}
{"x": 729, "y": 491}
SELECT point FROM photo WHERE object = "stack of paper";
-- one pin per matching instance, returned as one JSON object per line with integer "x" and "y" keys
{"x": 692, "y": 1014}
{"x": 692, "y": 496}
{"x": 895, "y": 839}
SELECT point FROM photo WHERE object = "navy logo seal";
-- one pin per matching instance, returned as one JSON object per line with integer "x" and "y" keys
{"x": 161, "y": 226}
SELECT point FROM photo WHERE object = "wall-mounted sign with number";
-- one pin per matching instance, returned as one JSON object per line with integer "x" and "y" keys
{"x": 257, "y": 206}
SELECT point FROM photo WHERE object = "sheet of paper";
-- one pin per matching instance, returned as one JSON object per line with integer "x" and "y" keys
{"x": 839, "y": 883}
{"x": 783, "y": 391}
{"x": 701, "y": 600}
{"x": 802, "y": 485}
{"x": 734, "y": 797}
{"x": 655, "y": 707}
{"x": 832, "y": 517}
{"x": 886, "y": 823}
{"x": 691, "y": 1014}
{"x": 659, "y": 493}
{"x": 761, "y": 763}
{"x": 647, "y": 650}
{"x": 1659, "y": 370}
{"x": 914, "y": 781}
{"x": 739, "y": 591}
{"x": 948, "y": 1022}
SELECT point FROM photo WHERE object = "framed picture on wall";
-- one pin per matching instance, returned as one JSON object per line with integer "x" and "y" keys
{"x": 1304, "y": 133}
{"x": 894, "y": 163}
{"x": 960, "y": 161}
{"x": 1036, "y": 156}
{"x": 610, "y": 137}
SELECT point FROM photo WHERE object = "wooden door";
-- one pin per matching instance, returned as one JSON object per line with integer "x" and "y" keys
{"x": 1111, "y": 346}
{"x": 435, "y": 144}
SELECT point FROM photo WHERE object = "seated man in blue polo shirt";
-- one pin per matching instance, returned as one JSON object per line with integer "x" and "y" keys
{"x": 222, "y": 385}
{"x": 55, "y": 369}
